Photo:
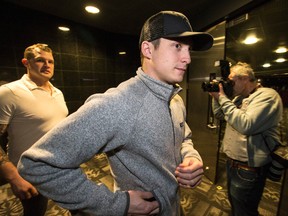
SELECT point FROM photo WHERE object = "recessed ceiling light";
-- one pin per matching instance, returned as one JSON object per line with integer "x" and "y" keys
{"x": 281, "y": 50}
{"x": 280, "y": 60}
{"x": 92, "y": 9}
{"x": 266, "y": 65}
{"x": 251, "y": 40}
{"x": 63, "y": 28}
{"x": 122, "y": 53}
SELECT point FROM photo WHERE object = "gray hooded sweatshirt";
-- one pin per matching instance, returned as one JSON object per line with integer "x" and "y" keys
{"x": 140, "y": 125}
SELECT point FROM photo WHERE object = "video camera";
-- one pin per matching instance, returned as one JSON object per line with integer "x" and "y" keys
{"x": 213, "y": 85}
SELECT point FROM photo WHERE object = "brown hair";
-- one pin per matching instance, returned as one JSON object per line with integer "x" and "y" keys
{"x": 29, "y": 52}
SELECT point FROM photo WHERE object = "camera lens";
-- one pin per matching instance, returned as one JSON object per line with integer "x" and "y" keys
{"x": 275, "y": 171}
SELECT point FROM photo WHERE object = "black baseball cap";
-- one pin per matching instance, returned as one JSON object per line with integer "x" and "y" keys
{"x": 172, "y": 24}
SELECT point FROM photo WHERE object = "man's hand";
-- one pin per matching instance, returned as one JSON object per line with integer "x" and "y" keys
{"x": 140, "y": 204}
{"x": 20, "y": 187}
{"x": 189, "y": 173}
{"x": 23, "y": 189}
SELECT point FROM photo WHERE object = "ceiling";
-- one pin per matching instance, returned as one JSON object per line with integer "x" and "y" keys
{"x": 128, "y": 16}
{"x": 119, "y": 16}
{"x": 269, "y": 24}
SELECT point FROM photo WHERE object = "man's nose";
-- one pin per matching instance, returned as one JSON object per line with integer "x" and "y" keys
{"x": 47, "y": 63}
{"x": 186, "y": 56}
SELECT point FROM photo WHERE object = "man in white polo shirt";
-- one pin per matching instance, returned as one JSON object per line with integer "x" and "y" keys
{"x": 29, "y": 107}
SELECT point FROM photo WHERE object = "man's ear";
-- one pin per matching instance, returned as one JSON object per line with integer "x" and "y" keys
{"x": 146, "y": 49}
{"x": 25, "y": 62}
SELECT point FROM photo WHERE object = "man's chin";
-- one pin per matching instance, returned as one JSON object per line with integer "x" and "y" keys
{"x": 179, "y": 80}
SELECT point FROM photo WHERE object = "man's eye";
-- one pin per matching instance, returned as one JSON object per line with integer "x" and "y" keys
{"x": 178, "y": 46}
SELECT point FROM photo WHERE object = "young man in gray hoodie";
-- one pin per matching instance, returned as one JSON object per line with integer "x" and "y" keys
{"x": 140, "y": 125}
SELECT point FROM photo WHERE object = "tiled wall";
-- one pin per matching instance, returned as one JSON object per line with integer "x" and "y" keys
{"x": 86, "y": 59}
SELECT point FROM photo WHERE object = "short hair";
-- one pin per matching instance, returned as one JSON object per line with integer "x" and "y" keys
{"x": 155, "y": 43}
{"x": 29, "y": 52}
{"x": 243, "y": 69}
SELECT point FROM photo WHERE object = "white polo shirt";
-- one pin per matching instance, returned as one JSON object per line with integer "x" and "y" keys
{"x": 29, "y": 112}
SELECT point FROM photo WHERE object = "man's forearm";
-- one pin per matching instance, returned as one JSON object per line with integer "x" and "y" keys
{"x": 7, "y": 170}
{"x": 3, "y": 157}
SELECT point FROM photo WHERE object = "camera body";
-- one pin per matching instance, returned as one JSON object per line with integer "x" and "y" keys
{"x": 213, "y": 85}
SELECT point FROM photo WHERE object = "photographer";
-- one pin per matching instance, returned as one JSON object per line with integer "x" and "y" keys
{"x": 253, "y": 114}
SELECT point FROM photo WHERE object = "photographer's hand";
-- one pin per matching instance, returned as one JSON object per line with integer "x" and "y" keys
{"x": 216, "y": 95}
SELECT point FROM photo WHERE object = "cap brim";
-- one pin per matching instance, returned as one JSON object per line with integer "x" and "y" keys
{"x": 200, "y": 41}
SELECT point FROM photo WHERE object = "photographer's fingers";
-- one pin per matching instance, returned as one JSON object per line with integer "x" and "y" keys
{"x": 214, "y": 95}
{"x": 221, "y": 90}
